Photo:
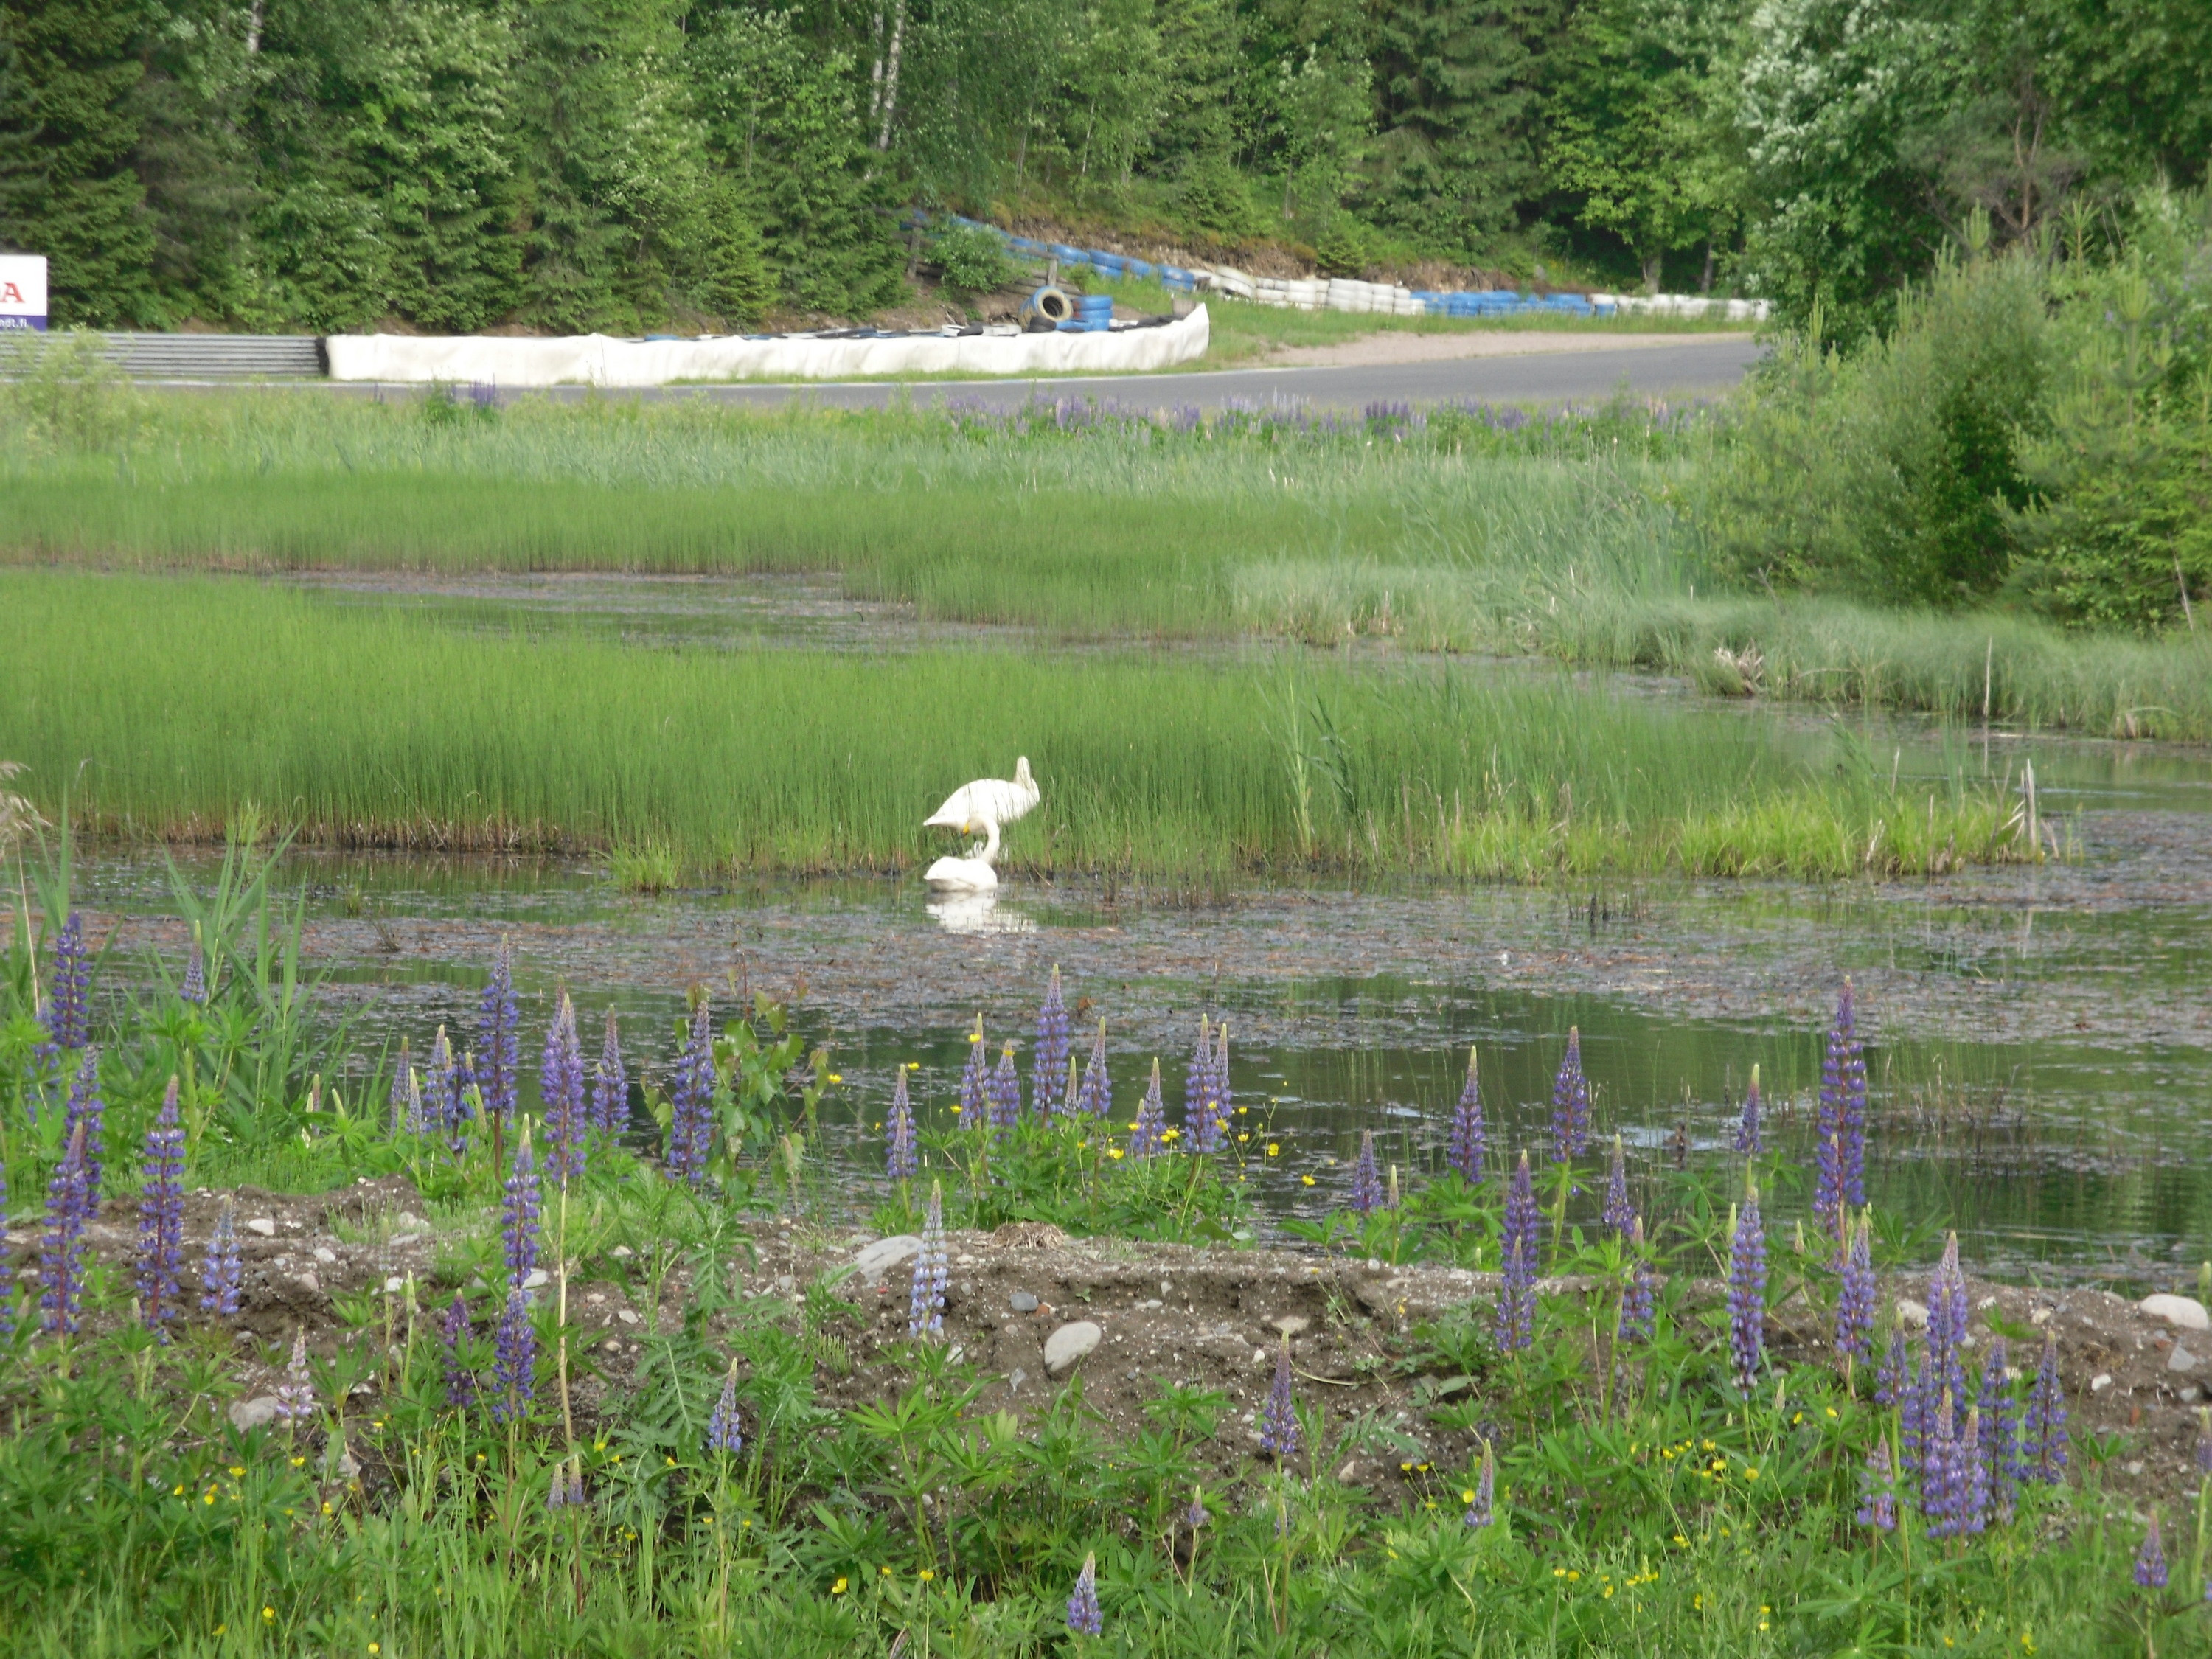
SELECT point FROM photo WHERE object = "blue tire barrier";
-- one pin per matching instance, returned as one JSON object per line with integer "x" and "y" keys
{"x": 1047, "y": 308}
{"x": 1139, "y": 271}
{"x": 1066, "y": 255}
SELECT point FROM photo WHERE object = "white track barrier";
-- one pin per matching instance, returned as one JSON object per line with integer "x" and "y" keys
{"x": 600, "y": 359}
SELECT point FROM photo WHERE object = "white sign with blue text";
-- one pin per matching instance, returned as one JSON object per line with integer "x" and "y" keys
{"x": 22, "y": 291}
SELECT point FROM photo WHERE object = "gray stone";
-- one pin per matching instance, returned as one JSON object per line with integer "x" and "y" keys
{"x": 256, "y": 1414}
{"x": 2186, "y": 1312}
{"x": 262, "y": 1224}
{"x": 1022, "y": 1301}
{"x": 1069, "y": 1344}
{"x": 536, "y": 1279}
{"x": 2180, "y": 1360}
{"x": 413, "y": 1223}
{"x": 879, "y": 1258}
{"x": 1015, "y": 1380}
{"x": 394, "y": 1283}
{"x": 1913, "y": 1312}
{"x": 325, "y": 1255}
{"x": 1292, "y": 1324}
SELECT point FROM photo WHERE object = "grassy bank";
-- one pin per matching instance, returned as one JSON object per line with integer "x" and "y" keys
{"x": 171, "y": 703}
{"x": 1468, "y": 532}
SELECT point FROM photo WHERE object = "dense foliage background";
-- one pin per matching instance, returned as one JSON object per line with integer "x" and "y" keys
{"x": 457, "y": 164}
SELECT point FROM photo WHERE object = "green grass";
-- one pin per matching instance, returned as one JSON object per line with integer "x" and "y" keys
{"x": 166, "y": 705}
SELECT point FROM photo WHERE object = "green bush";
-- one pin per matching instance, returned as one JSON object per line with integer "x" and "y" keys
{"x": 973, "y": 260}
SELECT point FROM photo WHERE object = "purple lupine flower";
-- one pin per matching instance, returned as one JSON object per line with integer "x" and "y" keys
{"x": 1366, "y": 1182}
{"x": 1618, "y": 1212}
{"x": 499, "y": 1034}
{"x": 2150, "y": 1559}
{"x": 1470, "y": 1137}
{"x": 514, "y": 1364}
{"x": 1482, "y": 1501}
{"x": 611, "y": 1083}
{"x": 1198, "y": 1089}
{"x": 441, "y": 1113}
{"x": 520, "y": 1215}
{"x": 403, "y": 1104}
{"x": 1839, "y": 1123}
{"x": 62, "y": 1250}
{"x": 1195, "y": 1516}
{"x": 1049, "y": 1058}
{"x": 561, "y": 1084}
{"x": 1095, "y": 1099}
{"x": 1895, "y": 1375}
{"x": 1973, "y": 1477}
{"x": 162, "y": 1216}
{"x": 1877, "y": 1492}
{"x": 413, "y": 1112}
{"x": 1517, "y": 1291}
{"x": 567, "y": 1488}
{"x": 1278, "y": 1418}
{"x": 1916, "y": 1417}
{"x": 725, "y": 1434}
{"x": 219, "y": 1269}
{"x": 2043, "y": 1435}
{"x": 1005, "y": 1090}
{"x": 925, "y": 1316}
{"x": 975, "y": 1081}
{"x": 192, "y": 988}
{"x": 899, "y": 1133}
{"x": 453, "y": 1332}
{"x": 691, "y": 1116}
{"x": 2204, "y": 1440}
{"x": 1747, "y": 1128}
{"x": 2000, "y": 1432}
{"x": 1944, "y": 1375}
{"x": 67, "y": 1013}
{"x": 295, "y": 1395}
{"x": 1149, "y": 1132}
{"x": 1637, "y": 1316}
{"x": 1747, "y": 1293}
{"x": 1071, "y": 1104}
{"x": 1224, "y": 1105}
{"x": 1083, "y": 1617}
{"x": 1571, "y": 1103}
{"x": 1938, "y": 1472}
{"x": 1855, "y": 1295}
{"x": 87, "y": 1111}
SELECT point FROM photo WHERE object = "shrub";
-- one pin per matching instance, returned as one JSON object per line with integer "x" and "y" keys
{"x": 973, "y": 260}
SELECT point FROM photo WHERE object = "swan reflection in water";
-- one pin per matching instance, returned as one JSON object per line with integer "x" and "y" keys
{"x": 978, "y": 913}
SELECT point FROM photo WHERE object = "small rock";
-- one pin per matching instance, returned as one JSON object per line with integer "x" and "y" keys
{"x": 1349, "y": 1472}
{"x": 1913, "y": 1312}
{"x": 325, "y": 1256}
{"x": 262, "y": 1224}
{"x": 2100, "y": 1381}
{"x": 2186, "y": 1312}
{"x": 347, "y": 1467}
{"x": 394, "y": 1283}
{"x": 880, "y": 1257}
{"x": 1292, "y": 1324}
{"x": 1149, "y": 1303}
{"x": 1374, "y": 1264}
{"x": 2190, "y": 1394}
{"x": 413, "y": 1223}
{"x": 2040, "y": 1316}
{"x": 2180, "y": 1360}
{"x": 626, "y": 1315}
{"x": 2135, "y": 1467}
{"x": 256, "y": 1414}
{"x": 537, "y": 1276}
{"x": 1069, "y": 1344}
{"x": 786, "y": 1283}
{"x": 1022, "y": 1301}
{"x": 399, "y": 1239}
{"x": 1015, "y": 1380}
{"x": 1259, "y": 1356}
{"x": 310, "y": 1281}
{"x": 622, "y": 1253}
{"x": 1166, "y": 1287}
{"x": 611, "y": 1346}
{"x": 963, "y": 1261}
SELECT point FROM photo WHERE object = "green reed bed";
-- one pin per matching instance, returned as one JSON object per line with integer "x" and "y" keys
{"x": 168, "y": 705}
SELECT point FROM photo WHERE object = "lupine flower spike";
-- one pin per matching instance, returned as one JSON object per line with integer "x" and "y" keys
{"x": 453, "y": 1332}
{"x": 1366, "y": 1183}
{"x": 560, "y": 1083}
{"x": 520, "y": 1215}
{"x": 1747, "y": 1128}
{"x": 161, "y": 1217}
{"x": 692, "y": 1102}
{"x": 1149, "y": 1132}
{"x": 1999, "y": 1438}
{"x": 87, "y": 1111}
{"x": 898, "y": 1131}
{"x": 61, "y": 1249}
{"x": 1854, "y": 1296}
{"x": 567, "y": 1488}
{"x": 295, "y": 1395}
{"x": 1278, "y": 1418}
{"x": 193, "y": 987}
{"x": 1571, "y": 1103}
{"x": 925, "y": 1307}
{"x": 611, "y": 1083}
{"x": 1892, "y": 1378}
{"x": 1637, "y": 1315}
{"x": 1839, "y": 1123}
{"x": 1470, "y": 1137}
{"x": 1517, "y": 1293}
{"x": 1083, "y": 1617}
{"x": 499, "y": 1035}
{"x": 2150, "y": 1559}
{"x": 1747, "y": 1295}
{"x": 2044, "y": 1437}
{"x": 404, "y": 1120}
{"x": 515, "y": 1362}
{"x": 975, "y": 1081}
{"x": 219, "y": 1269}
{"x": 1202, "y": 1115}
{"x": 2204, "y": 1440}
{"x": 1617, "y": 1213}
{"x": 1482, "y": 1501}
{"x": 67, "y": 1013}
{"x": 724, "y": 1433}
{"x": 1877, "y": 1491}
{"x": 1224, "y": 1103}
{"x": 1939, "y": 1471}
{"x": 1005, "y": 1093}
{"x": 1050, "y": 1059}
{"x": 1097, "y": 1098}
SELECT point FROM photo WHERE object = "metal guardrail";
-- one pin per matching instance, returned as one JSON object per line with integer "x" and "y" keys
{"x": 218, "y": 356}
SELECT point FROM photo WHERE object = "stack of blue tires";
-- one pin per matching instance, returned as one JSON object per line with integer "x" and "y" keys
{"x": 1094, "y": 314}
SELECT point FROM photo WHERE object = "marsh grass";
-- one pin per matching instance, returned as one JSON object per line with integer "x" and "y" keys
{"x": 171, "y": 702}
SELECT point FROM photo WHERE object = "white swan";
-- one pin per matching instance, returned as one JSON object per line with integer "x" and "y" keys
{"x": 983, "y": 805}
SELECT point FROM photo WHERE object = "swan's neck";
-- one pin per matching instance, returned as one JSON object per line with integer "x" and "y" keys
{"x": 989, "y": 850}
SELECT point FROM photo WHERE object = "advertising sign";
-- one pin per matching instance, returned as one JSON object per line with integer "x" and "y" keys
{"x": 22, "y": 291}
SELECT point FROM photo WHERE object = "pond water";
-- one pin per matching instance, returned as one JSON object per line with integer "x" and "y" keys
{"x": 2039, "y": 1040}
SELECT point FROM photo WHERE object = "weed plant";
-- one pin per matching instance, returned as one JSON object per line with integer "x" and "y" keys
{"x": 1648, "y": 1474}
{"x": 193, "y": 699}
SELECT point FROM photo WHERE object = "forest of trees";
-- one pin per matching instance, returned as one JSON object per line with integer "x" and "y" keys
{"x": 623, "y": 164}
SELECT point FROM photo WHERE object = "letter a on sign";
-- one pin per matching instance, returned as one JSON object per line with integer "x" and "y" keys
{"x": 22, "y": 291}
